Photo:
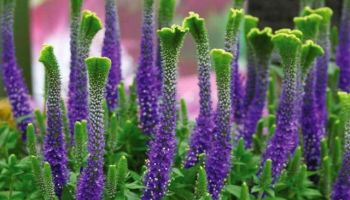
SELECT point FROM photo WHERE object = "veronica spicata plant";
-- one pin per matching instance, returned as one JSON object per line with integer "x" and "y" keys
{"x": 204, "y": 123}
{"x": 91, "y": 181}
{"x": 54, "y": 145}
{"x": 163, "y": 145}
{"x": 218, "y": 160}
{"x": 112, "y": 50}
{"x": 12, "y": 76}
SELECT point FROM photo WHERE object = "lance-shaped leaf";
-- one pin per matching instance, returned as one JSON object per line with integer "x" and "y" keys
{"x": 163, "y": 145}
{"x": 262, "y": 46}
{"x": 204, "y": 124}
{"x": 78, "y": 98}
{"x": 218, "y": 161}
{"x": 91, "y": 181}
{"x": 54, "y": 144}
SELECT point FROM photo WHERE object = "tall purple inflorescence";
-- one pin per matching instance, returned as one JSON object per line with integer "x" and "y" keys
{"x": 75, "y": 16}
{"x": 112, "y": 50}
{"x": 312, "y": 134}
{"x": 322, "y": 64}
{"x": 163, "y": 145}
{"x": 341, "y": 187}
{"x": 147, "y": 74}
{"x": 91, "y": 181}
{"x": 204, "y": 122}
{"x": 343, "y": 50}
{"x": 15, "y": 87}
{"x": 218, "y": 160}
{"x": 261, "y": 46}
{"x": 250, "y": 22}
{"x": 54, "y": 145}
{"x": 284, "y": 141}
{"x": 78, "y": 102}
{"x": 232, "y": 45}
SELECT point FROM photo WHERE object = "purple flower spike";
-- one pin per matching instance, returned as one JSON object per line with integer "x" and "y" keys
{"x": 312, "y": 133}
{"x": 163, "y": 145}
{"x": 12, "y": 76}
{"x": 250, "y": 22}
{"x": 285, "y": 139}
{"x": 218, "y": 160}
{"x": 341, "y": 187}
{"x": 204, "y": 123}
{"x": 261, "y": 45}
{"x": 91, "y": 181}
{"x": 232, "y": 46}
{"x": 147, "y": 74}
{"x": 322, "y": 63}
{"x": 78, "y": 102}
{"x": 75, "y": 16}
{"x": 343, "y": 50}
{"x": 54, "y": 145}
{"x": 111, "y": 49}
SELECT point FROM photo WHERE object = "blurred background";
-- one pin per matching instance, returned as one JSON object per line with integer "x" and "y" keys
{"x": 47, "y": 21}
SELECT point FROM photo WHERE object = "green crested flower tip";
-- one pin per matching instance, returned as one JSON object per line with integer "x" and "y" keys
{"x": 195, "y": 24}
{"x": 98, "y": 68}
{"x": 166, "y": 12}
{"x": 261, "y": 41}
{"x": 171, "y": 38}
{"x": 344, "y": 101}
{"x": 250, "y": 22}
{"x": 149, "y": 3}
{"x": 90, "y": 24}
{"x": 238, "y": 3}
{"x": 288, "y": 45}
{"x": 325, "y": 12}
{"x": 294, "y": 32}
{"x": 308, "y": 25}
{"x": 235, "y": 18}
{"x": 310, "y": 51}
{"x": 76, "y": 5}
{"x": 222, "y": 61}
{"x": 47, "y": 57}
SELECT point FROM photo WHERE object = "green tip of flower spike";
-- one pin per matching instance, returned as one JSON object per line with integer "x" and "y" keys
{"x": 325, "y": 12}
{"x": 309, "y": 25}
{"x": 149, "y": 3}
{"x": 310, "y": 51}
{"x": 166, "y": 12}
{"x": 238, "y": 3}
{"x": 245, "y": 192}
{"x": 294, "y": 32}
{"x": 261, "y": 41}
{"x": 76, "y": 5}
{"x": 98, "y": 68}
{"x": 172, "y": 37}
{"x": 287, "y": 44}
{"x": 47, "y": 57}
{"x": 250, "y": 22}
{"x": 235, "y": 18}
{"x": 221, "y": 60}
{"x": 195, "y": 25}
{"x": 90, "y": 25}
{"x": 344, "y": 101}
